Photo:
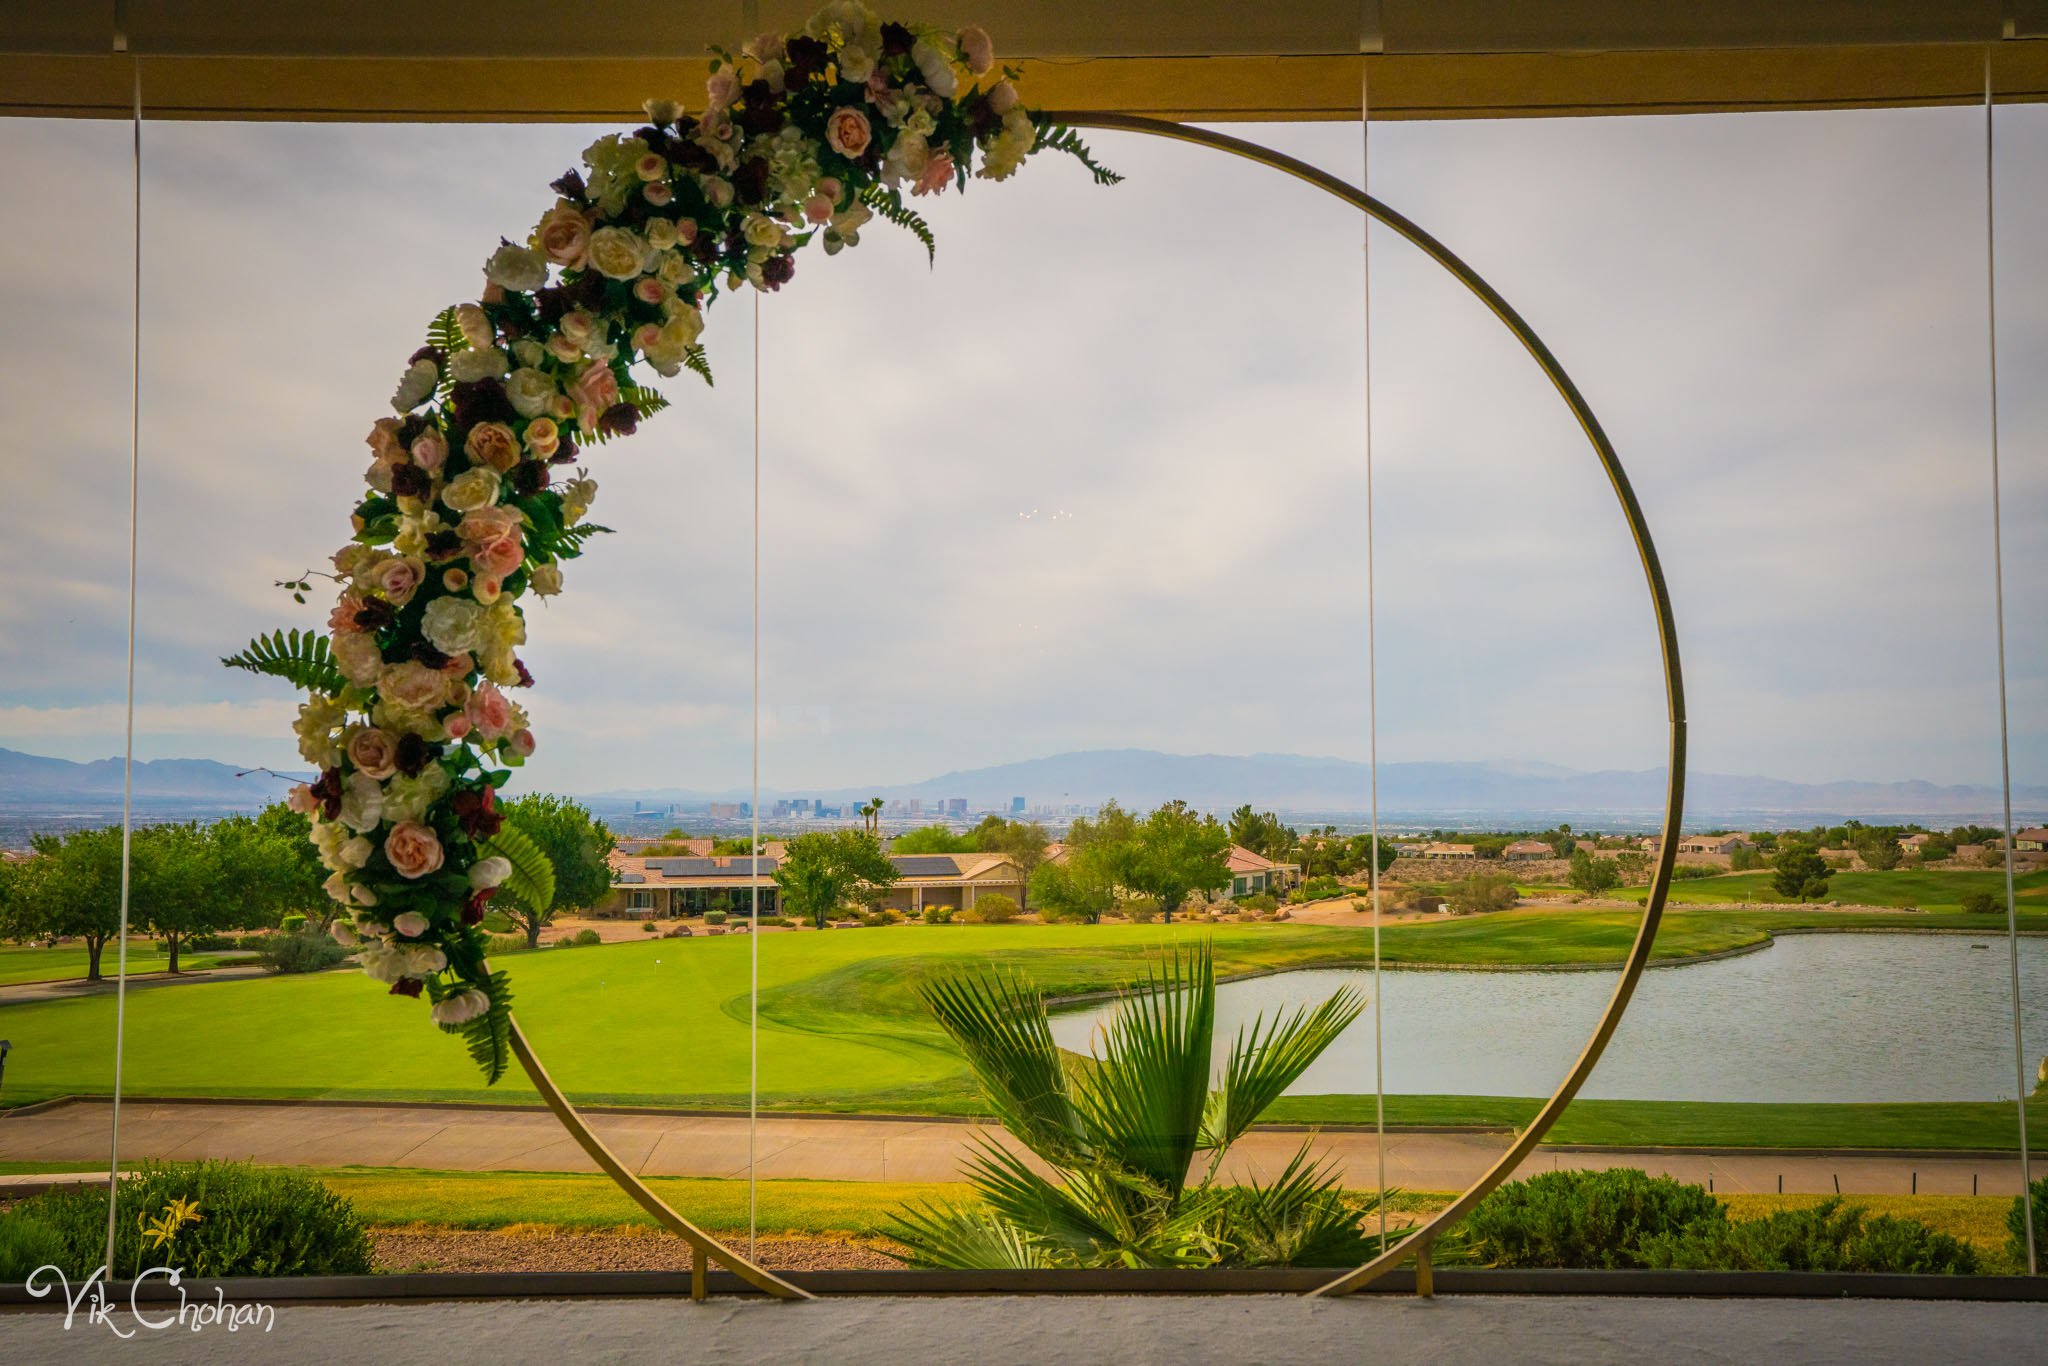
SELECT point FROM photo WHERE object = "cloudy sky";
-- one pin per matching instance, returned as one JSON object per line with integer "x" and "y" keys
{"x": 1097, "y": 478}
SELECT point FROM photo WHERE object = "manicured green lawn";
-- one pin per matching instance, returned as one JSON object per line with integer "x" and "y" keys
{"x": 1933, "y": 889}
{"x": 666, "y": 1022}
{"x": 19, "y": 963}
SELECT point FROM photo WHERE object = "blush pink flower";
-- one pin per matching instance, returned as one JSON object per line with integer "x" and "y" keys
{"x": 976, "y": 50}
{"x": 937, "y": 172}
{"x": 457, "y": 726}
{"x": 594, "y": 390}
{"x": 374, "y": 752}
{"x": 564, "y": 235}
{"x": 522, "y": 743}
{"x": 430, "y": 450}
{"x": 342, "y": 620}
{"x": 413, "y": 849}
{"x": 413, "y": 685}
{"x": 398, "y": 577}
{"x": 489, "y": 710}
{"x": 492, "y": 444}
{"x": 847, "y": 132}
{"x": 383, "y": 441}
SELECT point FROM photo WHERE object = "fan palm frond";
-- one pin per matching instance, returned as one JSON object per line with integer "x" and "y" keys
{"x": 1267, "y": 1058}
{"x": 960, "y": 1238}
{"x": 999, "y": 1022}
{"x": 1143, "y": 1105}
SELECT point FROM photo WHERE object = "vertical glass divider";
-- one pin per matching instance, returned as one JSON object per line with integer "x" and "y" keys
{"x": 1372, "y": 704}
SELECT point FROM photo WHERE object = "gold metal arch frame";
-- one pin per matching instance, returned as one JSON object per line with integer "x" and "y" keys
{"x": 1419, "y": 1241}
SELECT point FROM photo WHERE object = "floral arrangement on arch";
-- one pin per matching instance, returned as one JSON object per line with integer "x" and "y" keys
{"x": 412, "y": 720}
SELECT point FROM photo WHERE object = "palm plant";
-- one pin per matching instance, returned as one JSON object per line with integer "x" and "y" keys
{"x": 1125, "y": 1134}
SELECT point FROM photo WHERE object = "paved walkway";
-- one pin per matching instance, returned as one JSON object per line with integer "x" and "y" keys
{"x": 853, "y": 1148}
{"x": 71, "y": 988}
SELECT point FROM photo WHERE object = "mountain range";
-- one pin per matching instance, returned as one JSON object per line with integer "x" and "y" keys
{"x": 36, "y": 779}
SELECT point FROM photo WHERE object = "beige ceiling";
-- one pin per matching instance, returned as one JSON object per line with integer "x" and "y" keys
{"x": 1209, "y": 59}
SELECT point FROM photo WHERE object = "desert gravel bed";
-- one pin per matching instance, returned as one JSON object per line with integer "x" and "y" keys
{"x": 548, "y": 1249}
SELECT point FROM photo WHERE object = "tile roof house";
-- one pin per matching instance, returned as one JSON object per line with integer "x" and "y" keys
{"x": 1714, "y": 844}
{"x": 646, "y": 888}
{"x": 1527, "y": 851}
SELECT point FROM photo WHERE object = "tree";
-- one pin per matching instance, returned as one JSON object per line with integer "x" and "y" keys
{"x": 71, "y": 889}
{"x": 1361, "y": 848}
{"x": 1594, "y": 875}
{"x": 1979, "y": 903}
{"x": 823, "y": 871}
{"x": 871, "y": 817}
{"x": 1799, "y": 873}
{"x": 931, "y": 839}
{"x": 1179, "y": 852}
{"x": 576, "y": 843}
{"x": 294, "y": 882}
{"x": 177, "y": 888}
{"x": 1879, "y": 850}
{"x": 1075, "y": 888}
{"x": 1125, "y": 1136}
{"x": 1261, "y": 832}
{"x": 1482, "y": 892}
{"x": 1562, "y": 841}
{"x": 1633, "y": 865}
{"x": 1021, "y": 842}
{"x": 1743, "y": 859}
{"x": 1937, "y": 848}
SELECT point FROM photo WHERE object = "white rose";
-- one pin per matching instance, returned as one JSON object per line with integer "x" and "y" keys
{"x": 453, "y": 624}
{"x": 856, "y": 64}
{"x": 411, "y": 924}
{"x": 472, "y": 489}
{"x": 530, "y": 390}
{"x": 618, "y": 253}
{"x": 489, "y": 872}
{"x": 529, "y": 352}
{"x": 936, "y": 70}
{"x": 354, "y": 853}
{"x": 762, "y": 231}
{"x": 466, "y": 367}
{"x": 516, "y": 268}
{"x": 337, "y": 887}
{"x": 546, "y": 579}
{"x": 415, "y": 385}
{"x": 362, "y": 802}
{"x": 475, "y": 326}
{"x": 661, "y": 233}
{"x": 674, "y": 270}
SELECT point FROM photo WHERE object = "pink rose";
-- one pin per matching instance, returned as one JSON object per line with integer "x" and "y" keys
{"x": 302, "y": 800}
{"x": 414, "y": 849}
{"x": 492, "y": 537}
{"x": 497, "y": 559}
{"x": 659, "y": 193}
{"x": 564, "y": 235}
{"x": 396, "y": 578}
{"x": 457, "y": 726}
{"x": 722, "y": 89}
{"x": 492, "y": 444}
{"x": 818, "y": 209}
{"x": 847, "y": 132}
{"x": 522, "y": 743}
{"x": 489, "y": 710}
{"x": 651, "y": 167}
{"x": 430, "y": 450}
{"x": 976, "y": 50}
{"x": 593, "y": 390}
{"x": 686, "y": 231}
{"x": 580, "y": 327}
{"x": 374, "y": 752}
{"x": 647, "y": 336}
{"x": 937, "y": 171}
{"x": 413, "y": 684}
{"x": 649, "y": 290}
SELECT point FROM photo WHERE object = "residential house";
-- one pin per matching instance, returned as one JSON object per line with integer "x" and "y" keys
{"x": 2035, "y": 839}
{"x": 1714, "y": 844}
{"x": 649, "y": 888}
{"x": 1527, "y": 851}
{"x": 1453, "y": 851}
{"x": 1252, "y": 874}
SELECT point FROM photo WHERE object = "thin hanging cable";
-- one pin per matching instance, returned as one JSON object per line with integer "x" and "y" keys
{"x": 754, "y": 869}
{"x": 2012, "y": 932}
{"x": 1372, "y": 703}
{"x": 128, "y": 752}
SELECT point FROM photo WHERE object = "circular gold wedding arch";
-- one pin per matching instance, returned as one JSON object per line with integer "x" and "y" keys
{"x": 1419, "y": 1241}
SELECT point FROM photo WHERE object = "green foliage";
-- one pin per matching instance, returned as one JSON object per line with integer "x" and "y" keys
{"x": 444, "y": 334}
{"x": 561, "y": 859}
{"x": 306, "y": 951}
{"x": 1979, "y": 903}
{"x": 1880, "y": 851}
{"x": 1482, "y": 892}
{"x": 993, "y": 909}
{"x": 1321, "y": 888}
{"x": 1829, "y": 1236}
{"x": 1937, "y": 849}
{"x": 1179, "y": 852}
{"x": 1743, "y": 859}
{"x": 1058, "y": 137}
{"x": 71, "y": 888}
{"x": 1261, "y": 832}
{"x": 1692, "y": 872}
{"x": 1122, "y": 1135}
{"x": 938, "y": 915}
{"x": 587, "y": 939}
{"x": 1799, "y": 873}
{"x": 1593, "y": 875}
{"x": 251, "y": 1222}
{"x": 1260, "y": 901}
{"x": 887, "y": 202}
{"x": 26, "y": 1243}
{"x": 2016, "y": 1227}
{"x": 301, "y": 658}
{"x": 1583, "y": 1218}
{"x": 488, "y": 1037}
{"x": 933, "y": 839}
{"x": 714, "y": 917}
{"x": 824, "y": 871}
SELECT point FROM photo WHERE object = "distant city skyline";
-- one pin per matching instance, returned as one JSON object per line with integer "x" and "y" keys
{"x": 1095, "y": 479}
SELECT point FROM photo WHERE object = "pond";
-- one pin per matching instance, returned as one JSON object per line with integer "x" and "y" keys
{"x": 1832, "y": 1017}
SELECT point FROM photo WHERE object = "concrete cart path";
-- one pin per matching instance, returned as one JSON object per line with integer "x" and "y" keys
{"x": 855, "y": 1148}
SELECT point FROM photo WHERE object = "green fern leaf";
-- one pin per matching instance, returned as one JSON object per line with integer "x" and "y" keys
{"x": 646, "y": 402}
{"x": 695, "y": 359}
{"x": 888, "y": 202}
{"x": 489, "y": 1036}
{"x": 301, "y": 658}
{"x": 571, "y": 540}
{"x": 533, "y": 875}
{"x": 1058, "y": 137}
{"x": 443, "y": 332}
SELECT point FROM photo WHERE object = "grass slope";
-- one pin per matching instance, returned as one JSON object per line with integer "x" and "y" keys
{"x": 68, "y": 962}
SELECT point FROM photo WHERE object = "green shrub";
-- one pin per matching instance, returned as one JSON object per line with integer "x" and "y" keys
{"x": 26, "y": 1243}
{"x": 993, "y": 909}
{"x": 1260, "y": 901}
{"x": 1140, "y": 910}
{"x": 938, "y": 915}
{"x": 302, "y": 951}
{"x": 1979, "y": 903}
{"x": 780, "y": 922}
{"x": 1317, "y": 889}
{"x": 880, "y": 916}
{"x": 714, "y": 917}
{"x": 506, "y": 943}
{"x": 1584, "y": 1219}
{"x": 292, "y": 923}
{"x": 2016, "y": 1225}
{"x": 252, "y": 1222}
{"x": 582, "y": 939}
{"x": 1686, "y": 872}
{"x": 1829, "y": 1236}
{"x": 254, "y": 942}
{"x": 648, "y": 927}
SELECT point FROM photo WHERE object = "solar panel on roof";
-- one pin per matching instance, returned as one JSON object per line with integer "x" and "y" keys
{"x": 632, "y": 877}
{"x": 925, "y": 865}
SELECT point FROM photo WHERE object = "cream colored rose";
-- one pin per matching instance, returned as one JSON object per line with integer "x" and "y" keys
{"x": 847, "y": 132}
{"x": 661, "y": 233}
{"x": 407, "y": 799}
{"x": 467, "y": 367}
{"x": 413, "y": 685}
{"x": 493, "y": 445}
{"x": 372, "y": 751}
{"x": 546, "y": 579}
{"x": 543, "y": 438}
{"x": 416, "y": 385}
{"x": 762, "y": 232}
{"x": 562, "y": 349}
{"x": 674, "y": 270}
{"x": 617, "y": 253}
{"x": 529, "y": 352}
{"x": 352, "y": 559}
{"x": 453, "y": 624}
{"x": 856, "y": 64}
{"x": 398, "y": 577}
{"x": 414, "y": 851}
{"x": 472, "y": 489}
{"x": 475, "y": 326}
{"x": 516, "y": 268}
{"x": 362, "y": 802}
{"x": 357, "y": 656}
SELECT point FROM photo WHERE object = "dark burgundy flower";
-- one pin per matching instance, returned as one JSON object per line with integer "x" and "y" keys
{"x": 778, "y": 271}
{"x": 476, "y": 811}
{"x": 569, "y": 184}
{"x": 565, "y": 452}
{"x": 806, "y": 55}
{"x": 549, "y": 305}
{"x": 529, "y": 477}
{"x": 525, "y": 674}
{"x": 694, "y": 156}
{"x": 406, "y": 986}
{"x": 374, "y": 613}
{"x": 428, "y": 655}
{"x": 432, "y": 353}
{"x": 588, "y": 291}
{"x": 410, "y": 481}
{"x": 896, "y": 40}
{"x": 326, "y": 790}
{"x": 762, "y": 113}
{"x": 411, "y": 427}
{"x": 750, "y": 181}
{"x": 479, "y": 400}
{"x": 473, "y": 909}
{"x": 414, "y": 754}
{"x": 621, "y": 419}
{"x": 443, "y": 545}
{"x": 705, "y": 248}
